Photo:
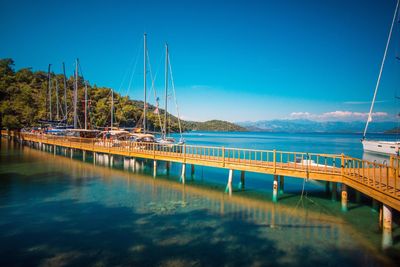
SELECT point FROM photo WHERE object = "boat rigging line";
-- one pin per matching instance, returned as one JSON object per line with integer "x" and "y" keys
{"x": 380, "y": 71}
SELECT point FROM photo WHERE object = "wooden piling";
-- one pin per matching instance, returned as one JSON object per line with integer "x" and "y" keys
{"x": 281, "y": 184}
{"x": 192, "y": 171}
{"x": 167, "y": 166}
{"x": 228, "y": 188}
{"x": 358, "y": 197}
{"x": 375, "y": 205}
{"x": 183, "y": 174}
{"x": 327, "y": 188}
{"x": 127, "y": 162}
{"x": 334, "y": 191}
{"x": 387, "y": 239}
{"x": 344, "y": 197}
{"x": 242, "y": 182}
{"x": 154, "y": 168}
{"x": 387, "y": 217}
{"x": 275, "y": 189}
{"x": 132, "y": 164}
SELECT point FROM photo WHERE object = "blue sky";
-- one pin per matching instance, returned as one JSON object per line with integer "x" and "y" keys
{"x": 232, "y": 60}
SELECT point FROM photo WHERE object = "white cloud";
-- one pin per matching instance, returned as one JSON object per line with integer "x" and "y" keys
{"x": 301, "y": 115}
{"x": 338, "y": 115}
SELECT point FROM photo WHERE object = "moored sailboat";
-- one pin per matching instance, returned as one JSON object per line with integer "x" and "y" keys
{"x": 165, "y": 139}
{"x": 379, "y": 146}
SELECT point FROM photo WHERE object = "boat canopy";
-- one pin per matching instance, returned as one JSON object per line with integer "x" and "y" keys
{"x": 82, "y": 133}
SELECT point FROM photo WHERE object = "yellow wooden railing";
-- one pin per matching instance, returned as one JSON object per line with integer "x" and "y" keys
{"x": 375, "y": 179}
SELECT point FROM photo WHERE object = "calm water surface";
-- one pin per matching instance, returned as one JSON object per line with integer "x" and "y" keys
{"x": 58, "y": 211}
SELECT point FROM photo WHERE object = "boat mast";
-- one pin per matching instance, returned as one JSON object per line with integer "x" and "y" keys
{"x": 144, "y": 83}
{"x": 380, "y": 71}
{"x": 65, "y": 92}
{"x": 166, "y": 90}
{"x": 57, "y": 105}
{"x": 112, "y": 107}
{"x": 76, "y": 95}
{"x": 49, "y": 90}
{"x": 86, "y": 105}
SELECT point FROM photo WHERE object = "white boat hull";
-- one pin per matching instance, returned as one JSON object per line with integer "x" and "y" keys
{"x": 381, "y": 147}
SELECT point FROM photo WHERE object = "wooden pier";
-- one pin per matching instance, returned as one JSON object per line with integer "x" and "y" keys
{"x": 379, "y": 181}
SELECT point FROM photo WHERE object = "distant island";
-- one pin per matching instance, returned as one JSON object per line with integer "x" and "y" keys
{"x": 24, "y": 96}
{"x": 215, "y": 125}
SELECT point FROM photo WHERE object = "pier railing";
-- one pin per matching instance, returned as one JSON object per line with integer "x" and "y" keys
{"x": 369, "y": 176}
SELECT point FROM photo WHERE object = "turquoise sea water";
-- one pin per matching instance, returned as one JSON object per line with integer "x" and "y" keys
{"x": 58, "y": 211}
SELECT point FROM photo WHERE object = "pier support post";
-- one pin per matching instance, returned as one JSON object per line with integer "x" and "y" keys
{"x": 154, "y": 168}
{"x": 132, "y": 164}
{"x": 183, "y": 174}
{"x": 327, "y": 188}
{"x": 334, "y": 191}
{"x": 281, "y": 184}
{"x": 375, "y": 205}
{"x": 344, "y": 197}
{"x": 84, "y": 155}
{"x": 55, "y": 149}
{"x": 111, "y": 161}
{"x": 94, "y": 158}
{"x": 387, "y": 239}
{"x": 192, "y": 171}
{"x": 228, "y": 188}
{"x": 72, "y": 153}
{"x": 358, "y": 197}
{"x": 275, "y": 189}
{"x": 126, "y": 163}
{"x": 242, "y": 183}
{"x": 167, "y": 166}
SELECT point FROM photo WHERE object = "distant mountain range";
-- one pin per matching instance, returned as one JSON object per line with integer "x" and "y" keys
{"x": 316, "y": 126}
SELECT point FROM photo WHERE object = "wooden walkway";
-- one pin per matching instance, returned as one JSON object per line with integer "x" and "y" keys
{"x": 379, "y": 181}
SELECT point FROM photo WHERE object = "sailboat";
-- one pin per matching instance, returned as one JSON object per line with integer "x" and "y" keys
{"x": 165, "y": 139}
{"x": 140, "y": 133}
{"x": 77, "y": 132}
{"x": 377, "y": 146}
